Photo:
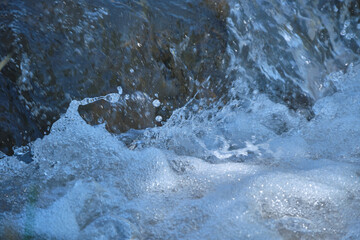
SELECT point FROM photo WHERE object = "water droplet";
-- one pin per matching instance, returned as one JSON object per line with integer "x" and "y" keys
{"x": 120, "y": 90}
{"x": 156, "y": 103}
{"x": 158, "y": 118}
{"x": 346, "y": 23}
{"x": 131, "y": 70}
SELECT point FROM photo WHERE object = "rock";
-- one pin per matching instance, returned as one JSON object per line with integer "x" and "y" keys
{"x": 133, "y": 111}
{"x": 70, "y": 49}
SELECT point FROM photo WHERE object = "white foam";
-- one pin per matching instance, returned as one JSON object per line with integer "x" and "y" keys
{"x": 254, "y": 172}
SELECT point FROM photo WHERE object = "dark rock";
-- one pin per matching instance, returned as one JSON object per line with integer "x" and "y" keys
{"x": 133, "y": 111}
{"x": 64, "y": 50}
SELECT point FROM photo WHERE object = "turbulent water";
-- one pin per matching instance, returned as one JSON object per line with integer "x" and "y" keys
{"x": 265, "y": 144}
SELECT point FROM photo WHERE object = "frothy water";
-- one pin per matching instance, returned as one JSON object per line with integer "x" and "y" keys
{"x": 249, "y": 167}
{"x": 229, "y": 176}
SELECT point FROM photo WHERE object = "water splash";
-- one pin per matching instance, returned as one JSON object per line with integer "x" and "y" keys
{"x": 244, "y": 167}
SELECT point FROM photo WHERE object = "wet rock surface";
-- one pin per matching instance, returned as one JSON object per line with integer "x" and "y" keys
{"x": 134, "y": 111}
{"x": 171, "y": 51}
{"x": 66, "y": 50}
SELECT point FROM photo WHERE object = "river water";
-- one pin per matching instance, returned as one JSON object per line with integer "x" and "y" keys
{"x": 239, "y": 120}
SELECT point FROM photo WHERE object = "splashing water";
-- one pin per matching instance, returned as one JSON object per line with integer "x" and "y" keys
{"x": 245, "y": 167}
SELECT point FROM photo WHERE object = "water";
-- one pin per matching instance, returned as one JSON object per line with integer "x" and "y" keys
{"x": 274, "y": 156}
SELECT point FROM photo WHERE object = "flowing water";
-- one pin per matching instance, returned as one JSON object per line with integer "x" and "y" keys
{"x": 257, "y": 108}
